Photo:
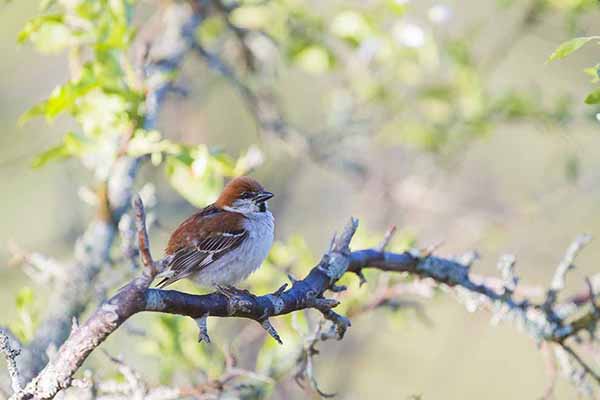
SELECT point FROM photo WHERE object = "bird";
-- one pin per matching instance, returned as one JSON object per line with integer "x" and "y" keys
{"x": 223, "y": 243}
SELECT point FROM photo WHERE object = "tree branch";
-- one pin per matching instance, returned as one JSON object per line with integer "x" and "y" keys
{"x": 9, "y": 347}
{"x": 137, "y": 296}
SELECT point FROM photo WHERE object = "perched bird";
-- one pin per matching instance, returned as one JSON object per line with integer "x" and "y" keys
{"x": 226, "y": 241}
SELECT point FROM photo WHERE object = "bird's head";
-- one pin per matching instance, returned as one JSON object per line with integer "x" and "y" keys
{"x": 244, "y": 195}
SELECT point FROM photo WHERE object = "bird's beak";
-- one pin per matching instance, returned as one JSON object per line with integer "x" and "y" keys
{"x": 263, "y": 196}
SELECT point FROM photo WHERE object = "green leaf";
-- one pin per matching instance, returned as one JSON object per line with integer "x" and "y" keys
{"x": 36, "y": 23}
{"x": 63, "y": 97}
{"x": 211, "y": 29}
{"x": 570, "y": 46}
{"x": 593, "y": 98}
{"x": 314, "y": 59}
{"x": 397, "y": 7}
{"x": 52, "y": 154}
{"x": 593, "y": 72}
{"x": 48, "y": 33}
{"x": 73, "y": 145}
{"x": 24, "y": 326}
{"x": 24, "y": 299}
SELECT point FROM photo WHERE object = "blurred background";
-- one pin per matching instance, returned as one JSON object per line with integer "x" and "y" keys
{"x": 443, "y": 118}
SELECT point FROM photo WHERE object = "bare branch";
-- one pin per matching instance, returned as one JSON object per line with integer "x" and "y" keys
{"x": 558, "y": 281}
{"x": 136, "y": 297}
{"x": 11, "y": 351}
{"x": 582, "y": 363}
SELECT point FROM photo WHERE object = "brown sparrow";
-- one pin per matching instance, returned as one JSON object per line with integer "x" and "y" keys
{"x": 224, "y": 242}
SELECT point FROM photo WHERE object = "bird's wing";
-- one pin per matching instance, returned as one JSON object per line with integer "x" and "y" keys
{"x": 199, "y": 241}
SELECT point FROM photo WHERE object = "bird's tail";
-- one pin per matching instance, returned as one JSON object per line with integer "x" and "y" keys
{"x": 167, "y": 278}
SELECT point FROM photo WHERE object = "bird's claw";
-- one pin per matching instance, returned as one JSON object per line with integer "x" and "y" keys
{"x": 231, "y": 291}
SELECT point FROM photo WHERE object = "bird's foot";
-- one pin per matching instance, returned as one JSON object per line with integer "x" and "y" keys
{"x": 231, "y": 291}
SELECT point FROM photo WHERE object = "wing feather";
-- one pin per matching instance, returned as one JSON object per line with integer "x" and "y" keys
{"x": 193, "y": 259}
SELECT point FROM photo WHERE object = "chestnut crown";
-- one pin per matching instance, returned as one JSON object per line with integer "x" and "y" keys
{"x": 245, "y": 195}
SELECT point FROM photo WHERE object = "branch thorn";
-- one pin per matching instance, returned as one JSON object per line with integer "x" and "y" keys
{"x": 389, "y": 234}
{"x": 361, "y": 278}
{"x": 202, "y": 329}
{"x": 340, "y": 323}
{"x": 595, "y": 306}
{"x": 271, "y": 330}
{"x": 429, "y": 250}
{"x": 279, "y": 291}
{"x": 292, "y": 278}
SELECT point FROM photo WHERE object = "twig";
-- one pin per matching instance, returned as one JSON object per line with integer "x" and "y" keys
{"x": 592, "y": 295}
{"x": 389, "y": 234}
{"x": 582, "y": 363}
{"x": 142, "y": 233}
{"x": 506, "y": 265}
{"x": 566, "y": 264}
{"x": 550, "y": 362}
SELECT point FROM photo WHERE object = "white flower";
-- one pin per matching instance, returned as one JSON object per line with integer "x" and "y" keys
{"x": 408, "y": 34}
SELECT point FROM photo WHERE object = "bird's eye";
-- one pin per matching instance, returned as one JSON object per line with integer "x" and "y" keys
{"x": 246, "y": 195}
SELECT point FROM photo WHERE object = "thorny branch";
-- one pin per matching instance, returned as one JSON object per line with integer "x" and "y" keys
{"x": 137, "y": 296}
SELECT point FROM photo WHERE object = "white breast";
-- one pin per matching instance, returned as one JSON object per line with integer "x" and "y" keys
{"x": 242, "y": 261}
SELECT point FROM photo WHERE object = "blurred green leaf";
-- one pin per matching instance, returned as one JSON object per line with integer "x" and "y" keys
{"x": 352, "y": 26}
{"x": 251, "y": 17}
{"x": 593, "y": 97}
{"x": 73, "y": 145}
{"x": 314, "y": 59}
{"x": 63, "y": 97}
{"x": 24, "y": 299}
{"x": 398, "y": 7}
{"x": 52, "y": 154}
{"x": 211, "y": 29}
{"x": 24, "y": 326}
{"x": 570, "y": 46}
{"x": 36, "y": 23}
{"x": 594, "y": 72}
